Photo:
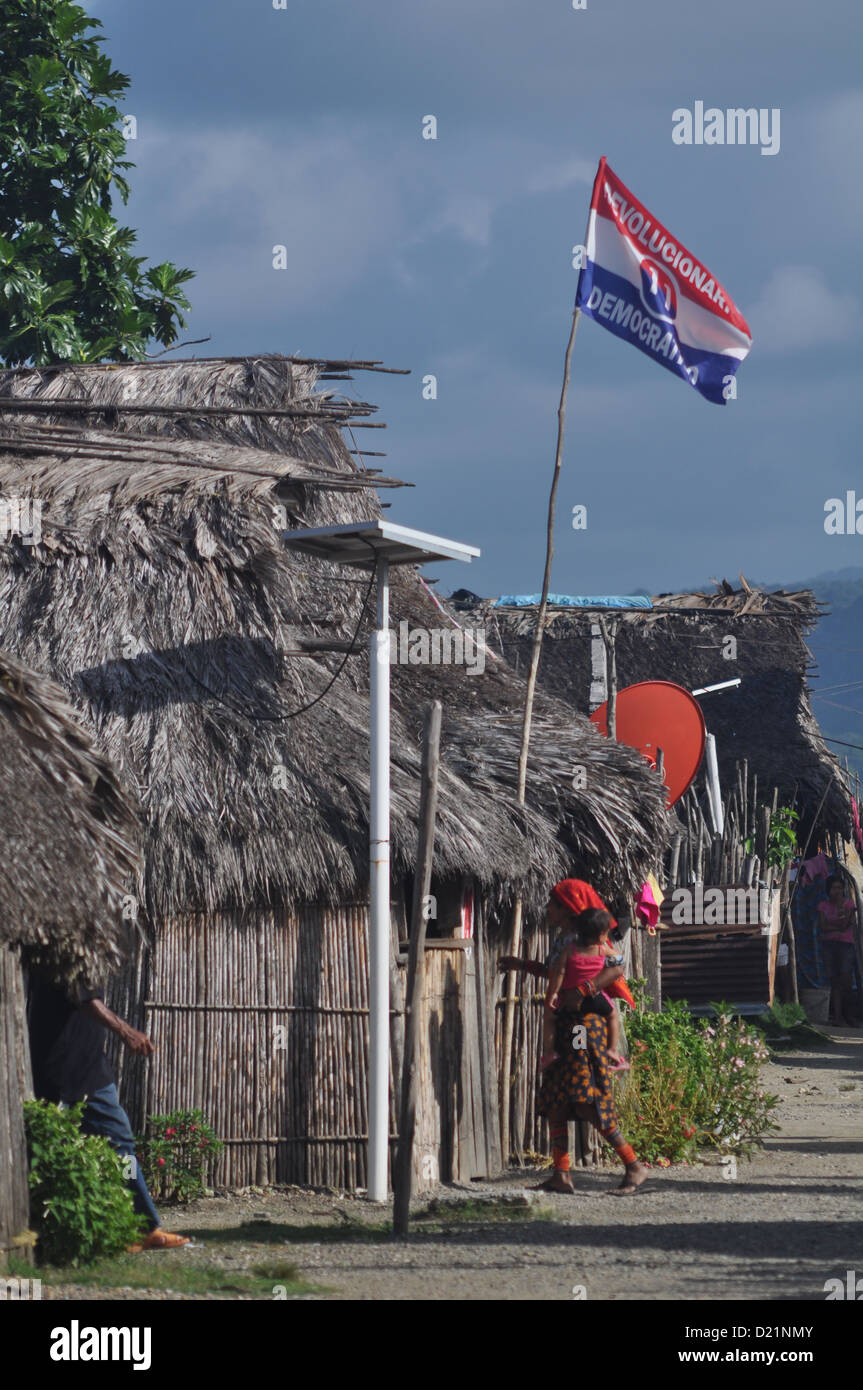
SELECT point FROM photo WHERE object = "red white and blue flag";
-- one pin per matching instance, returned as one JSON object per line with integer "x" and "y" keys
{"x": 643, "y": 285}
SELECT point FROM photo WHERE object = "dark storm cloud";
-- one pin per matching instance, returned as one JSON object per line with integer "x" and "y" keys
{"x": 301, "y": 128}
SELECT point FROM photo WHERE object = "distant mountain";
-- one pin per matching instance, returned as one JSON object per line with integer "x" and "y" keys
{"x": 837, "y": 646}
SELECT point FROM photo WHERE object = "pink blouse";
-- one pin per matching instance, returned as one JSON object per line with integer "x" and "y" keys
{"x": 579, "y": 969}
{"x": 831, "y": 913}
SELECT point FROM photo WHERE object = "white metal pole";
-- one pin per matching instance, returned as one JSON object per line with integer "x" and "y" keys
{"x": 713, "y": 785}
{"x": 379, "y": 876}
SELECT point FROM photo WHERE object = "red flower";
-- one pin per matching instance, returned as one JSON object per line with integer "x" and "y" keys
{"x": 160, "y": 1162}
{"x": 169, "y": 1133}
{"x": 193, "y": 1127}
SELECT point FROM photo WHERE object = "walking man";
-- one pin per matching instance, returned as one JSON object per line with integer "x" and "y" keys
{"x": 67, "y": 1051}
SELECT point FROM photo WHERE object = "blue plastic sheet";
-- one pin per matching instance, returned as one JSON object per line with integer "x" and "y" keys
{"x": 811, "y": 973}
{"x": 569, "y": 601}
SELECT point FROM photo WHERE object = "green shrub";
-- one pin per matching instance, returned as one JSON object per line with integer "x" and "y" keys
{"x": 693, "y": 1084}
{"x": 176, "y": 1154}
{"x": 80, "y": 1205}
{"x": 782, "y": 837}
{"x": 787, "y": 1026}
{"x": 733, "y": 1109}
{"x": 783, "y": 1017}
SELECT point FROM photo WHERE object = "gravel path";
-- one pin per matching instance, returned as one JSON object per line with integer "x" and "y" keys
{"x": 788, "y": 1220}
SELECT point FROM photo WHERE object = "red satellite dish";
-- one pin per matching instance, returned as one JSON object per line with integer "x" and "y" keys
{"x": 660, "y": 714}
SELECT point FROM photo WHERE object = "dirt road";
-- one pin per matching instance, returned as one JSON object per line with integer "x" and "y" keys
{"x": 788, "y": 1221}
{"x": 777, "y": 1229}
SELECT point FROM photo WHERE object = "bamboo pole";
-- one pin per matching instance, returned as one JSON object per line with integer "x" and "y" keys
{"x": 402, "y": 1169}
{"x": 515, "y": 933}
{"x": 675, "y": 860}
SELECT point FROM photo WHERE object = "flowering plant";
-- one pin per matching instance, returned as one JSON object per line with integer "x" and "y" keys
{"x": 693, "y": 1084}
{"x": 733, "y": 1109}
{"x": 177, "y": 1153}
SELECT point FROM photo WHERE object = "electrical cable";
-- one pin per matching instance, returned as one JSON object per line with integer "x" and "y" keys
{"x": 282, "y": 718}
{"x": 834, "y": 704}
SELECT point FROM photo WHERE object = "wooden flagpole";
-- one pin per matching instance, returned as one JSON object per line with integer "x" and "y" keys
{"x": 515, "y": 932}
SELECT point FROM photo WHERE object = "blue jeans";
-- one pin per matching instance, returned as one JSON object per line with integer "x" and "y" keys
{"x": 105, "y": 1115}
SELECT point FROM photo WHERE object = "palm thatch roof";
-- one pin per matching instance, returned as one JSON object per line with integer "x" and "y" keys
{"x": 162, "y": 598}
{"x": 67, "y": 828}
{"x": 767, "y": 719}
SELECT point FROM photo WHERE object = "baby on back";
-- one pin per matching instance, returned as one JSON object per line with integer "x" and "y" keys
{"x": 585, "y": 957}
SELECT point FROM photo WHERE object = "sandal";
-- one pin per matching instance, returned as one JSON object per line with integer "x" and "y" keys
{"x": 159, "y": 1240}
{"x": 550, "y": 1186}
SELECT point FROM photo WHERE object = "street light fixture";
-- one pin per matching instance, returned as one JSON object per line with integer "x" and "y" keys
{"x": 378, "y": 545}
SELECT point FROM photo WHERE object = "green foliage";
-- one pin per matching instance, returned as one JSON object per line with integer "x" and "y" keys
{"x": 176, "y": 1154}
{"x": 782, "y": 837}
{"x": 693, "y": 1084}
{"x": 70, "y": 287}
{"x": 195, "y": 1278}
{"x": 781, "y": 1018}
{"x": 786, "y": 1025}
{"x": 80, "y": 1204}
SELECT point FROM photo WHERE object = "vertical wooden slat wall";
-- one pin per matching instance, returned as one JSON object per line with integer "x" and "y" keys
{"x": 437, "y": 1139}
{"x": 486, "y": 965}
{"x": 457, "y": 1118}
{"x": 125, "y": 994}
{"x": 261, "y": 1020}
{"x": 15, "y": 1088}
{"x": 528, "y": 1131}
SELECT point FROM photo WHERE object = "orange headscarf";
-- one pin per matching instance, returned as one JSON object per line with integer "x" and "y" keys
{"x": 577, "y": 896}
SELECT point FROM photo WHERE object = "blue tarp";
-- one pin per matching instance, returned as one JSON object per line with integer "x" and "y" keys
{"x": 568, "y": 601}
{"x": 811, "y": 973}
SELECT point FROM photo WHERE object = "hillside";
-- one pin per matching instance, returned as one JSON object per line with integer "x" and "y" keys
{"x": 837, "y": 645}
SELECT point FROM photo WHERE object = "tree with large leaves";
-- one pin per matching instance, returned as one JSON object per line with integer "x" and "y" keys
{"x": 71, "y": 289}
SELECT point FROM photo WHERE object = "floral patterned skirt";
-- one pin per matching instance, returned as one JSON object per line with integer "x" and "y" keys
{"x": 581, "y": 1076}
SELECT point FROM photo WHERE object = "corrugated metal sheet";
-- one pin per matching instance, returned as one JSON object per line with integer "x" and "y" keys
{"x": 704, "y": 969}
{"x": 708, "y": 963}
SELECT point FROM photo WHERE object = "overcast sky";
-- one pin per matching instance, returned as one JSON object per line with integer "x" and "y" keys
{"x": 303, "y": 127}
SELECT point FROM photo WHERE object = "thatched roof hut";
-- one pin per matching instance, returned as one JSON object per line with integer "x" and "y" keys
{"x": 67, "y": 878}
{"x": 162, "y": 598}
{"x": 68, "y": 829}
{"x": 684, "y": 637}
